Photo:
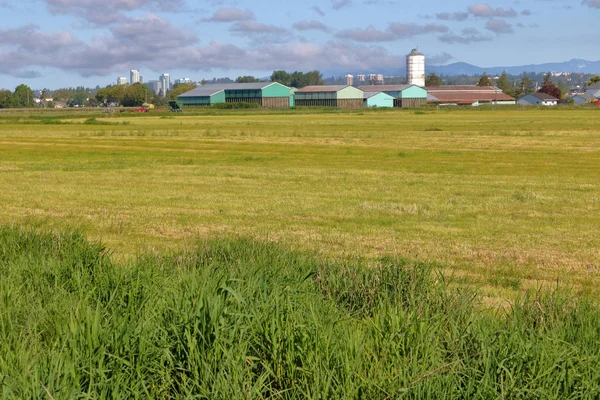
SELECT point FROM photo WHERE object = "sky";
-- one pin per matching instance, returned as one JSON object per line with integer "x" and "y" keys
{"x": 68, "y": 43}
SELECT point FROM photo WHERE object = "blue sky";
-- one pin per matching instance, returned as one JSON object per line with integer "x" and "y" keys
{"x": 57, "y": 43}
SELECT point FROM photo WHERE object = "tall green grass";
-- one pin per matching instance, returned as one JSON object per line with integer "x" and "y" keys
{"x": 241, "y": 319}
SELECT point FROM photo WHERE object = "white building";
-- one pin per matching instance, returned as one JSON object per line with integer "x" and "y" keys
{"x": 537, "y": 99}
{"x": 121, "y": 80}
{"x": 415, "y": 68}
{"x": 155, "y": 86}
{"x": 134, "y": 76}
{"x": 182, "y": 81}
{"x": 165, "y": 81}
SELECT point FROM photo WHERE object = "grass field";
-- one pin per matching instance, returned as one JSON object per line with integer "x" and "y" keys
{"x": 240, "y": 319}
{"x": 504, "y": 199}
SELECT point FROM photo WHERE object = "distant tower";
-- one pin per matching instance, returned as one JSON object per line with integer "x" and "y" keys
{"x": 415, "y": 68}
{"x": 165, "y": 81}
{"x": 121, "y": 80}
{"x": 349, "y": 80}
{"x": 134, "y": 76}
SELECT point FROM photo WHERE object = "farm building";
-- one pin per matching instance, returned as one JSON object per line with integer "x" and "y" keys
{"x": 404, "y": 95}
{"x": 342, "y": 96}
{"x": 535, "y": 99}
{"x": 267, "y": 94}
{"x": 594, "y": 90}
{"x": 583, "y": 99}
{"x": 378, "y": 99}
{"x": 468, "y": 95}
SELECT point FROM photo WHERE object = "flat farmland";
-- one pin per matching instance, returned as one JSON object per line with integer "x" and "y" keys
{"x": 503, "y": 199}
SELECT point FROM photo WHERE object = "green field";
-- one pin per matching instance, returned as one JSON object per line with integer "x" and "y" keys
{"x": 375, "y": 254}
{"x": 505, "y": 199}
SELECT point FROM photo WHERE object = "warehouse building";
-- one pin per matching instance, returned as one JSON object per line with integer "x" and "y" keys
{"x": 342, "y": 96}
{"x": 378, "y": 99}
{"x": 466, "y": 95}
{"x": 267, "y": 94}
{"x": 404, "y": 95}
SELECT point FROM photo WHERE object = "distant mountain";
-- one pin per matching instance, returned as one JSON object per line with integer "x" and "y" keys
{"x": 462, "y": 68}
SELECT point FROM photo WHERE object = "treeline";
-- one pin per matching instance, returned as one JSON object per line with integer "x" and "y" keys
{"x": 22, "y": 97}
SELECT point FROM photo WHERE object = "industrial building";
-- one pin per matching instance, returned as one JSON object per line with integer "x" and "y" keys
{"x": 267, "y": 94}
{"x": 415, "y": 68}
{"x": 342, "y": 96}
{"x": 467, "y": 95}
{"x": 404, "y": 95}
{"x": 378, "y": 99}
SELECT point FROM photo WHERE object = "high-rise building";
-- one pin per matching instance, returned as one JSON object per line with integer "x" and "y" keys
{"x": 121, "y": 80}
{"x": 349, "y": 80}
{"x": 155, "y": 86}
{"x": 182, "y": 80}
{"x": 134, "y": 76}
{"x": 362, "y": 78}
{"x": 415, "y": 68}
{"x": 165, "y": 81}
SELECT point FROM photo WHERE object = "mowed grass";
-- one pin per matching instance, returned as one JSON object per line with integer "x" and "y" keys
{"x": 241, "y": 319}
{"x": 504, "y": 199}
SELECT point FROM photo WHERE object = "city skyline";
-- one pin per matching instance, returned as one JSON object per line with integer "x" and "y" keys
{"x": 80, "y": 43}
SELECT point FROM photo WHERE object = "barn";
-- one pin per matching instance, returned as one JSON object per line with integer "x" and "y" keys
{"x": 378, "y": 99}
{"x": 404, "y": 95}
{"x": 267, "y": 94}
{"x": 342, "y": 96}
{"x": 465, "y": 95}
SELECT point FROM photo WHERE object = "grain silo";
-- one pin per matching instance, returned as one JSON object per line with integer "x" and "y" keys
{"x": 415, "y": 68}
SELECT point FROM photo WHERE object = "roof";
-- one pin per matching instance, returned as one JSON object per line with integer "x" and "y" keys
{"x": 594, "y": 86}
{"x": 416, "y": 52}
{"x": 322, "y": 88}
{"x": 586, "y": 96}
{"x": 214, "y": 88}
{"x": 465, "y": 94}
{"x": 368, "y": 95}
{"x": 543, "y": 96}
{"x": 384, "y": 88}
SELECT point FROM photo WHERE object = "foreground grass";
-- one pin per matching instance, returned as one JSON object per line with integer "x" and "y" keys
{"x": 506, "y": 198}
{"x": 242, "y": 319}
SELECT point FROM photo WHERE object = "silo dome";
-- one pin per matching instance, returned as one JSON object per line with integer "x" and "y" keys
{"x": 415, "y": 68}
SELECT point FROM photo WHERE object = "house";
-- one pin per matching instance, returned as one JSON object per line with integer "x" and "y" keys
{"x": 539, "y": 98}
{"x": 378, "y": 99}
{"x": 466, "y": 95}
{"x": 594, "y": 90}
{"x": 583, "y": 98}
{"x": 404, "y": 95}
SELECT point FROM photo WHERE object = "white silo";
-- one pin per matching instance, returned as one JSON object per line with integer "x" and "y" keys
{"x": 415, "y": 68}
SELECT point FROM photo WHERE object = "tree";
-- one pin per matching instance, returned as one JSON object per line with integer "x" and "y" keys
{"x": 78, "y": 98}
{"x": 552, "y": 90}
{"x": 314, "y": 78}
{"x": 504, "y": 84}
{"x": 281, "y": 77}
{"x": 433, "y": 80}
{"x": 246, "y": 79}
{"x": 23, "y": 96}
{"x": 594, "y": 80}
{"x": 525, "y": 87}
{"x": 6, "y": 99}
{"x": 135, "y": 95}
{"x": 111, "y": 94}
{"x": 180, "y": 89}
{"x": 548, "y": 79}
{"x": 484, "y": 80}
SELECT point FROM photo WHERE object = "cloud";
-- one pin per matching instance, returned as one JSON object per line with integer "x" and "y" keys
{"x": 484, "y": 10}
{"x": 499, "y": 26}
{"x": 310, "y": 26}
{"x": 439, "y": 59}
{"x": 318, "y": 10}
{"x": 467, "y": 36}
{"x": 457, "y": 16}
{"x": 108, "y": 11}
{"x": 230, "y": 14}
{"x": 394, "y": 31}
{"x": 592, "y": 3}
{"x": 339, "y": 4}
